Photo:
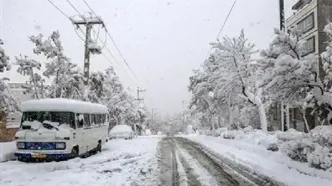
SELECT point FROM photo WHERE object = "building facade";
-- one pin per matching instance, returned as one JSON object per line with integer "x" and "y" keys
{"x": 310, "y": 18}
{"x": 11, "y": 122}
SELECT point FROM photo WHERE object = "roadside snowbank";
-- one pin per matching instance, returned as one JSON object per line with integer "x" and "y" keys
{"x": 121, "y": 163}
{"x": 314, "y": 148}
{"x": 251, "y": 152}
{"x": 7, "y": 150}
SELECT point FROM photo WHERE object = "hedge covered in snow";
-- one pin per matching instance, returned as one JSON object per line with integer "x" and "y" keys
{"x": 314, "y": 148}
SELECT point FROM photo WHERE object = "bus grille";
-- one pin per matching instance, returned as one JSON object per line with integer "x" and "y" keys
{"x": 40, "y": 145}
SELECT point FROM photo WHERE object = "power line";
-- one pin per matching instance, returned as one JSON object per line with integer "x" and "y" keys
{"x": 228, "y": 15}
{"x": 58, "y": 9}
{"x": 86, "y": 3}
{"x": 73, "y": 7}
{"x": 125, "y": 61}
{"x": 222, "y": 28}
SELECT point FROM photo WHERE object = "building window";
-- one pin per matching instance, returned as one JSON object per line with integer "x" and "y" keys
{"x": 306, "y": 24}
{"x": 309, "y": 46}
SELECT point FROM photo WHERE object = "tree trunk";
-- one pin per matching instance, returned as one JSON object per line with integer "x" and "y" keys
{"x": 212, "y": 126}
{"x": 305, "y": 121}
{"x": 262, "y": 116}
{"x": 34, "y": 83}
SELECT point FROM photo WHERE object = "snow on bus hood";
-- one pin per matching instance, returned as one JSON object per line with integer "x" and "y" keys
{"x": 38, "y": 131}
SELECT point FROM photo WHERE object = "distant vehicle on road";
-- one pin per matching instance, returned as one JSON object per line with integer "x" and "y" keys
{"x": 121, "y": 131}
{"x": 56, "y": 129}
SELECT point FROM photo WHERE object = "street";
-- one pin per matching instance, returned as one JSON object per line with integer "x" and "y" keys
{"x": 185, "y": 163}
{"x": 143, "y": 161}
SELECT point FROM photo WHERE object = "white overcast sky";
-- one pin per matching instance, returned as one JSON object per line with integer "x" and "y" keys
{"x": 162, "y": 40}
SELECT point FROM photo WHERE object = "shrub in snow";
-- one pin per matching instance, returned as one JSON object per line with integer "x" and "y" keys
{"x": 273, "y": 147}
{"x": 321, "y": 158}
{"x": 233, "y": 134}
{"x": 322, "y": 135}
{"x": 297, "y": 149}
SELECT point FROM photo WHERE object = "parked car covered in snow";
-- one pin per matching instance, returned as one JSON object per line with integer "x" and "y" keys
{"x": 121, "y": 131}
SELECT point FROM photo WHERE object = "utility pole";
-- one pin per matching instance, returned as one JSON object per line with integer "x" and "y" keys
{"x": 139, "y": 101}
{"x": 89, "y": 46}
{"x": 284, "y": 107}
{"x": 282, "y": 14}
{"x": 138, "y": 92}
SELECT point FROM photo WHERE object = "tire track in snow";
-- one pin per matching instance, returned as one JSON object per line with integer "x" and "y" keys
{"x": 183, "y": 180}
{"x": 202, "y": 175}
{"x": 168, "y": 163}
{"x": 220, "y": 176}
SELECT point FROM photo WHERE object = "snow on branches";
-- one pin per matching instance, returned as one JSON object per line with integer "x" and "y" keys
{"x": 28, "y": 67}
{"x": 67, "y": 78}
{"x": 4, "y": 59}
{"x": 229, "y": 75}
{"x": 8, "y": 102}
{"x": 327, "y": 59}
{"x": 287, "y": 68}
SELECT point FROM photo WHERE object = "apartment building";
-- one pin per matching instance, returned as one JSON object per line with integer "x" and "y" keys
{"x": 310, "y": 18}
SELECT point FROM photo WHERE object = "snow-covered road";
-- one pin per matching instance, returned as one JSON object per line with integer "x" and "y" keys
{"x": 121, "y": 163}
{"x": 157, "y": 161}
{"x": 185, "y": 163}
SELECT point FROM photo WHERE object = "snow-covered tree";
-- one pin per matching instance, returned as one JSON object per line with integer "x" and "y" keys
{"x": 326, "y": 57}
{"x": 229, "y": 78}
{"x": 28, "y": 67}
{"x": 4, "y": 59}
{"x": 59, "y": 67}
{"x": 96, "y": 92}
{"x": 8, "y": 102}
{"x": 288, "y": 70}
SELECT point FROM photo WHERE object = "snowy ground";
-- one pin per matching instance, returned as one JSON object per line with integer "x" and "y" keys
{"x": 121, "y": 163}
{"x": 263, "y": 162}
{"x": 7, "y": 151}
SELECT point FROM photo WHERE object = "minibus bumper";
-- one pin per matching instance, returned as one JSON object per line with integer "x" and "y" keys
{"x": 26, "y": 156}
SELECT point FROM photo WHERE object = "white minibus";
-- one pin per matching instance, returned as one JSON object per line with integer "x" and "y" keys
{"x": 57, "y": 129}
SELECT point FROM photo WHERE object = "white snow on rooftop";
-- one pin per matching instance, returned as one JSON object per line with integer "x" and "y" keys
{"x": 60, "y": 104}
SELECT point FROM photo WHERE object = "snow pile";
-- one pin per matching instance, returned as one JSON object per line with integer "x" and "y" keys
{"x": 260, "y": 161}
{"x": 7, "y": 150}
{"x": 290, "y": 134}
{"x": 314, "y": 148}
{"x": 148, "y": 132}
{"x": 121, "y": 129}
{"x": 249, "y": 135}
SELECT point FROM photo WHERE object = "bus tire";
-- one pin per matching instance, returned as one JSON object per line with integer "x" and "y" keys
{"x": 99, "y": 146}
{"x": 75, "y": 152}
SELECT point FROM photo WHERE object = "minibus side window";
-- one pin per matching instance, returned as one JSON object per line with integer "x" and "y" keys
{"x": 93, "y": 120}
{"x": 98, "y": 119}
{"x": 80, "y": 120}
{"x": 86, "y": 120}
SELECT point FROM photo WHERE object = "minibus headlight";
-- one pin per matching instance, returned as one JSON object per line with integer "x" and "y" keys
{"x": 60, "y": 145}
{"x": 62, "y": 138}
{"x": 20, "y": 145}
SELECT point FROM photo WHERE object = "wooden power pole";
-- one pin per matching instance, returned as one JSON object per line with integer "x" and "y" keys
{"x": 89, "y": 46}
{"x": 282, "y": 14}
